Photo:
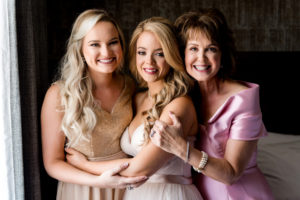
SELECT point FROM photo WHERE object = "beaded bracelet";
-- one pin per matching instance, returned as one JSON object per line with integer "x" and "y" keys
{"x": 202, "y": 163}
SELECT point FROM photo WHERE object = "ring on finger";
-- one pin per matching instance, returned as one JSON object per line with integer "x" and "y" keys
{"x": 129, "y": 187}
{"x": 152, "y": 133}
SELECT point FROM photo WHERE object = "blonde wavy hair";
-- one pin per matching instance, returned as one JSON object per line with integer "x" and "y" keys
{"x": 176, "y": 82}
{"x": 76, "y": 85}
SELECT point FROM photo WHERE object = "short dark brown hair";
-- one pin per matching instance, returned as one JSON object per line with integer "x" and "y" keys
{"x": 212, "y": 23}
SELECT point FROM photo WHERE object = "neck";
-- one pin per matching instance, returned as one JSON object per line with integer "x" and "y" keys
{"x": 155, "y": 87}
{"x": 101, "y": 80}
{"x": 210, "y": 87}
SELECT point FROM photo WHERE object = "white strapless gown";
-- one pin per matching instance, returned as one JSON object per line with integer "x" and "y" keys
{"x": 171, "y": 182}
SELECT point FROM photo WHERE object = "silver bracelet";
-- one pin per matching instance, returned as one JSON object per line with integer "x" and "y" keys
{"x": 202, "y": 163}
{"x": 187, "y": 155}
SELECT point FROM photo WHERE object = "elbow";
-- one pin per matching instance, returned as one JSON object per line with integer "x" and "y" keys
{"x": 232, "y": 178}
{"x": 232, "y": 175}
{"x": 52, "y": 167}
{"x": 230, "y": 182}
{"x": 49, "y": 169}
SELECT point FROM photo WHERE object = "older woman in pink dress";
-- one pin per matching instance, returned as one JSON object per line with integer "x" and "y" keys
{"x": 229, "y": 114}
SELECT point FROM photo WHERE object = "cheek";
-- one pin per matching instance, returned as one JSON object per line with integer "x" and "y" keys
{"x": 189, "y": 71}
{"x": 216, "y": 59}
{"x": 166, "y": 67}
{"x": 164, "y": 71}
{"x": 88, "y": 53}
{"x": 187, "y": 60}
{"x": 138, "y": 60}
{"x": 118, "y": 50}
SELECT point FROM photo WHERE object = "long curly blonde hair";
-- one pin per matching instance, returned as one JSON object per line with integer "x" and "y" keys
{"x": 176, "y": 82}
{"x": 76, "y": 85}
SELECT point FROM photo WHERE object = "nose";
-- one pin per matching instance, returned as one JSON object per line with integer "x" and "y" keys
{"x": 104, "y": 50}
{"x": 149, "y": 59}
{"x": 201, "y": 55}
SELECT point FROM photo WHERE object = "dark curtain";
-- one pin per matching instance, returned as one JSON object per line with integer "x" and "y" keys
{"x": 32, "y": 58}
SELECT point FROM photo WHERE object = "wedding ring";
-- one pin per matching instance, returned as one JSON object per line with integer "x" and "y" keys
{"x": 129, "y": 187}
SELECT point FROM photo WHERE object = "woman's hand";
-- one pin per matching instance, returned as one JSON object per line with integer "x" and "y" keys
{"x": 169, "y": 137}
{"x": 76, "y": 158}
{"x": 112, "y": 179}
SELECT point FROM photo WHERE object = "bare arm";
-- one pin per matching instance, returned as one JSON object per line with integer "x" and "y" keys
{"x": 78, "y": 160}
{"x": 226, "y": 170}
{"x": 53, "y": 141}
{"x": 151, "y": 157}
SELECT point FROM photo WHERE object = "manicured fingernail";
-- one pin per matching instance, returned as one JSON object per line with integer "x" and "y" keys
{"x": 125, "y": 164}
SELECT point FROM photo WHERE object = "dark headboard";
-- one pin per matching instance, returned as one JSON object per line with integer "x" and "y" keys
{"x": 277, "y": 75}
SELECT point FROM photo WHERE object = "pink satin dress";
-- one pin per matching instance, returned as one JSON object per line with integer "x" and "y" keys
{"x": 239, "y": 118}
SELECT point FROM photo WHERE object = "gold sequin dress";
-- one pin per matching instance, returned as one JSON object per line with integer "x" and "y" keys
{"x": 103, "y": 145}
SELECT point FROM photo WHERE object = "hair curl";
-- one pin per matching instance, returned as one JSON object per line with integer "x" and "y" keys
{"x": 176, "y": 82}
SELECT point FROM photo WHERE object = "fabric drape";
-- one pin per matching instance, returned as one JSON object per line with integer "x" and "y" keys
{"x": 32, "y": 52}
{"x": 11, "y": 162}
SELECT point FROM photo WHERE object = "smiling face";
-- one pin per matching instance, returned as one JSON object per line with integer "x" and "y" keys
{"x": 202, "y": 58}
{"x": 102, "y": 49}
{"x": 150, "y": 61}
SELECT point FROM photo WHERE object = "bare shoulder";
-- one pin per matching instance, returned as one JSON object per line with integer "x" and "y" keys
{"x": 53, "y": 93}
{"x": 181, "y": 104}
{"x": 52, "y": 99}
{"x": 183, "y": 108}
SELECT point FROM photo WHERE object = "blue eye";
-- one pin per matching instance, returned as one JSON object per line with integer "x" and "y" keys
{"x": 160, "y": 54}
{"x": 193, "y": 49}
{"x": 94, "y": 45}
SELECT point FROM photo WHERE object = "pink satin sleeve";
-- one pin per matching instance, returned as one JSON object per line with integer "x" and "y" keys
{"x": 247, "y": 121}
{"x": 247, "y": 127}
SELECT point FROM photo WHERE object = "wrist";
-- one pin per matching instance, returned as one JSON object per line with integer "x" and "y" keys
{"x": 84, "y": 165}
{"x": 202, "y": 163}
{"x": 182, "y": 150}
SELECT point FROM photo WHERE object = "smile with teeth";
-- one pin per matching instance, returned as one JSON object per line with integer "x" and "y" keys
{"x": 106, "y": 61}
{"x": 150, "y": 70}
{"x": 201, "y": 67}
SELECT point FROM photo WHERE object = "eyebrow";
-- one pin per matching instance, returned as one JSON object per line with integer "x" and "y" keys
{"x": 211, "y": 44}
{"x": 112, "y": 39}
{"x": 159, "y": 49}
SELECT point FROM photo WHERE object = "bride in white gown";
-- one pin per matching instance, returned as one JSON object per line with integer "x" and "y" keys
{"x": 156, "y": 63}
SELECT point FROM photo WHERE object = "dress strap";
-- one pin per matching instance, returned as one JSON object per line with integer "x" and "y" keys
{"x": 161, "y": 178}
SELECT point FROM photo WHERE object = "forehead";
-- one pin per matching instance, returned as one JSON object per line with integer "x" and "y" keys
{"x": 148, "y": 39}
{"x": 103, "y": 30}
